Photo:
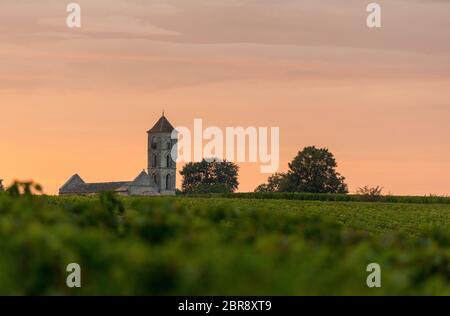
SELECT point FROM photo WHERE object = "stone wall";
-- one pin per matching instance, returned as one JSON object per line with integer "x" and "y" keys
{"x": 142, "y": 190}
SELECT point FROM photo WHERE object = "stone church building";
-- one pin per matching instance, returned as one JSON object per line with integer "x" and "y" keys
{"x": 159, "y": 179}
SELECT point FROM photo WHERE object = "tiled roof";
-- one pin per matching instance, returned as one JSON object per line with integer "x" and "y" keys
{"x": 88, "y": 188}
{"x": 162, "y": 126}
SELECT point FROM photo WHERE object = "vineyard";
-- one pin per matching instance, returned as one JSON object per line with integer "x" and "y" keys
{"x": 221, "y": 246}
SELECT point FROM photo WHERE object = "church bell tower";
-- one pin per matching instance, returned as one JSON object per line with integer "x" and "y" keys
{"x": 161, "y": 163}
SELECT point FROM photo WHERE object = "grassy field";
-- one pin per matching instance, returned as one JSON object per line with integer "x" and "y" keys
{"x": 372, "y": 217}
{"x": 222, "y": 246}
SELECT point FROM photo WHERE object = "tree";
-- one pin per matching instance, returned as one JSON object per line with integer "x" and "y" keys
{"x": 210, "y": 177}
{"x": 274, "y": 183}
{"x": 313, "y": 170}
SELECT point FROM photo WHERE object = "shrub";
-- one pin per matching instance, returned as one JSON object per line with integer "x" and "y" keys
{"x": 370, "y": 193}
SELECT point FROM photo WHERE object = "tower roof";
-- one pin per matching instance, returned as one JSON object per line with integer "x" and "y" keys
{"x": 162, "y": 126}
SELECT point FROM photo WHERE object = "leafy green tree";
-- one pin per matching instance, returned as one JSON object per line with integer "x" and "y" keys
{"x": 313, "y": 170}
{"x": 210, "y": 177}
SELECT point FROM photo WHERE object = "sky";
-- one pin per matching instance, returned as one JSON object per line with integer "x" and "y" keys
{"x": 81, "y": 100}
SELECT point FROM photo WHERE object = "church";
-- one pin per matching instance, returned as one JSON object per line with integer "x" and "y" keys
{"x": 158, "y": 179}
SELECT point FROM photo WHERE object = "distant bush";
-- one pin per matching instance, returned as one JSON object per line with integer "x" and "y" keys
{"x": 212, "y": 188}
{"x": 331, "y": 197}
{"x": 370, "y": 193}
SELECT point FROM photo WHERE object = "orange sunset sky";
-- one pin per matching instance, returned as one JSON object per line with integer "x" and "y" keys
{"x": 81, "y": 100}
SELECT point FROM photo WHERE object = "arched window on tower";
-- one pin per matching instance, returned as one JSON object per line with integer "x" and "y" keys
{"x": 154, "y": 142}
{"x": 168, "y": 182}
{"x": 154, "y": 161}
{"x": 155, "y": 179}
{"x": 168, "y": 161}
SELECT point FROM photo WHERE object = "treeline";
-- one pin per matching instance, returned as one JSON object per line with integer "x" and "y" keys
{"x": 313, "y": 170}
{"x": 311, "y": 175}
{"x": 332, "y": 197}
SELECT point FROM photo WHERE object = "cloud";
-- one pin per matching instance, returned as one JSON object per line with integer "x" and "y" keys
{"x": 409, "y": 26}
{"x": 420, "y": 26}
{"x": 31, "y": 21}
{"x": 155, "y": 45}
{"x": 107, "y": 27}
